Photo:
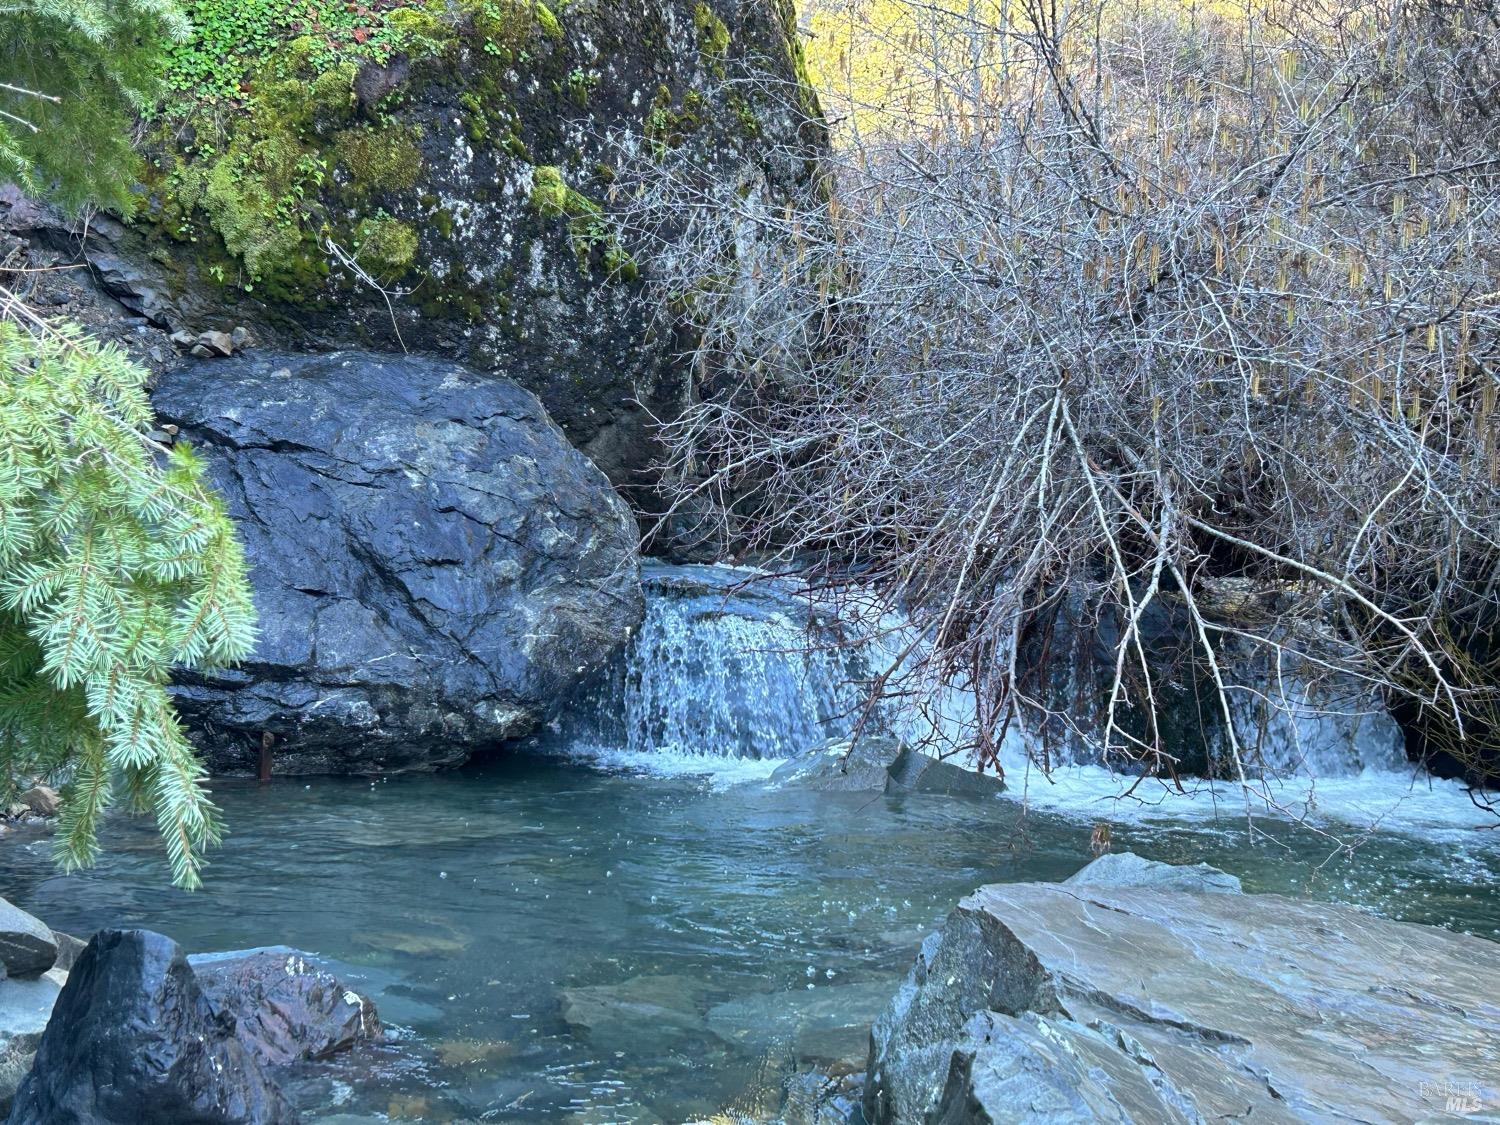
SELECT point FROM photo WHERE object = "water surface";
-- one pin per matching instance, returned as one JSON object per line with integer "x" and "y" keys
{"x": 706, "y": 939}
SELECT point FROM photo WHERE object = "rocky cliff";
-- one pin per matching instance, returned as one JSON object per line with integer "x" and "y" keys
{"x": 436, "y": 176}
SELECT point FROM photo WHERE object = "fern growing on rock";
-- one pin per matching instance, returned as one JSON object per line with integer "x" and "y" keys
{"x": 117, "y": 562}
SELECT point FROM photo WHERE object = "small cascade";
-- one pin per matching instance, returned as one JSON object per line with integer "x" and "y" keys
{"x": 725, "y": 665}
{"x": 731, "y": 664}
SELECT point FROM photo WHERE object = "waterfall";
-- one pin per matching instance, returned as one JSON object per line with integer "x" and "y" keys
{"x": 732, "y": 664}
{"x": 727, "y": 664}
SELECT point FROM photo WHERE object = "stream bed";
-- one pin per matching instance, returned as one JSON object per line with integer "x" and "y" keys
{"x": 556, "y": 939}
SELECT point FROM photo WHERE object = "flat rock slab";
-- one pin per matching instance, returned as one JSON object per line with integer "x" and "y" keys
{"x": 666, "y": 1003}
{"x": 1043, "y": 1002}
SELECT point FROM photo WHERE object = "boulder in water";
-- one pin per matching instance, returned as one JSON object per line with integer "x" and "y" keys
{"x": 285, "y": 1008}
{"x": 435, "y": 567}
{"x": 1126, "y": 869}
{"x": 879, "y": 764}
{"x": 132, "y": 1038}
{"x": 27, "y": 947}
{"x": 842, "y": 765}
{"x": 1083, "y": 1001}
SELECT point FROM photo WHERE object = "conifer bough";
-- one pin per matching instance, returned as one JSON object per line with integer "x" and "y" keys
{"x": 117, "y": 563}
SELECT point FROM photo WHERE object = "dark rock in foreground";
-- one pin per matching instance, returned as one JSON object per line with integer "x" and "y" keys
{"x": 285, "y": 1008}
{"x": 1091, "y": 1002}
{"x": 435, "y": 568}
{"x": 879, "y": 764}
{"x": 132, "y": 1038}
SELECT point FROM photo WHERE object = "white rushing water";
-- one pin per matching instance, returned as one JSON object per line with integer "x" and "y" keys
{"x": 731, "y": 673}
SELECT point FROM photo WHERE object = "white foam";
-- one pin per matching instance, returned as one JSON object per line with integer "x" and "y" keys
{"x": 717, "y": 772}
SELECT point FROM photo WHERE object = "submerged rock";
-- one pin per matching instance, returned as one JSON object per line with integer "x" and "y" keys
{"x": 668, "y": 1003}
{"x": 827, "y": 1025}
{"x": 132, "y": 1038}
{"x": 435, "y": 568}
{"x": 879, "y": 764}
{"x": 285, "y": 1008}
{"x": 1133, "y": 1003}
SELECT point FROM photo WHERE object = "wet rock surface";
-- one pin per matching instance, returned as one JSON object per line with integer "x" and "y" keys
{"x": 880, "y": 764}
{"x": 1131, "y": 1003}
{"x": 133, "y": 1038}
{"x": 286, "y": 1009}
{"x": 1126, "y": 869}
{"x": 434, "y": 567}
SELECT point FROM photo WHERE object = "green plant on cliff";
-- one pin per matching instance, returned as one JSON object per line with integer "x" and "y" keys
{"x": 117, "y": 563}
{"x": 73, "y": 76}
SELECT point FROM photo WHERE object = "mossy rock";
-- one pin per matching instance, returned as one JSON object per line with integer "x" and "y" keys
{"x": 462, "y": 160}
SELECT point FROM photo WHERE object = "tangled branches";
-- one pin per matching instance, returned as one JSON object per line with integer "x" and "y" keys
{"x": 1126, "y": 315}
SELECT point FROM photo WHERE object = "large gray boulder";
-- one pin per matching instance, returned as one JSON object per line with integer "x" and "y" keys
{"x": 434, "y": 566}
{"x": 1089, "y": 1002}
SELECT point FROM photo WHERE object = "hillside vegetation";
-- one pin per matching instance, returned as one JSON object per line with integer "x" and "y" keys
{"x": 1164, "y": 332}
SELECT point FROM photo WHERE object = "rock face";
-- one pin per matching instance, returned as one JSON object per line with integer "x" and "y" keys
{"x": 1132, "y": 1003}
{"x": 460, "y": 164}
{"x": 435, "y": 568}
{"x": 286, "y": 1009}
{"x": 879, "y": 764}
{"x": 27, "y": 947}
{"x": 132, "y": 1038}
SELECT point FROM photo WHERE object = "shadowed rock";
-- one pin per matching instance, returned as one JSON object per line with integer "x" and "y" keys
{"x": 27, "y": 947}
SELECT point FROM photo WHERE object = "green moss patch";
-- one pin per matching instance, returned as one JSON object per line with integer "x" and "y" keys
{"x": 384, "y": 246}
{"x": 713, "y": 36}
{"x": 552, "y": 198}
{"x": 378, "y": 158}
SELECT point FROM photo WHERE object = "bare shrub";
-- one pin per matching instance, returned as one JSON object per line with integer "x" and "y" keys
{"x": 1129, "y": 309}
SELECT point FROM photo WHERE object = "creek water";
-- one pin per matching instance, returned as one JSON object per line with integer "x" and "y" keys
{"x": 628, "y": 925}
